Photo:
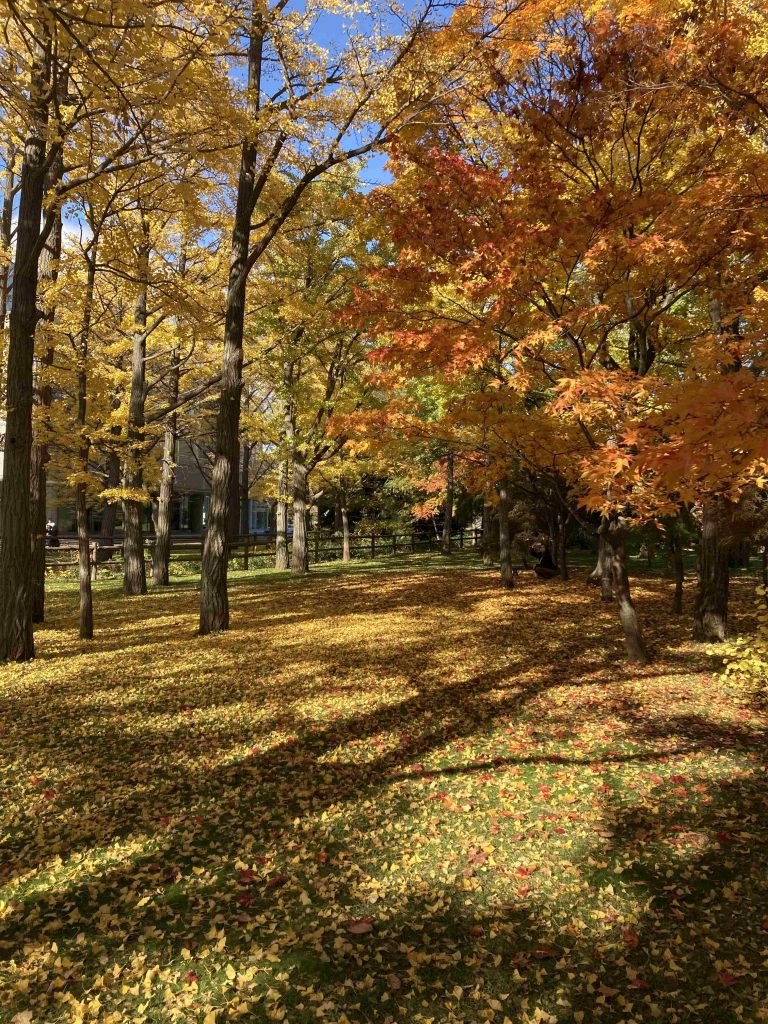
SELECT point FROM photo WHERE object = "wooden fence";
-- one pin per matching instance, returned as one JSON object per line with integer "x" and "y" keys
{"x": 259, "y": 549}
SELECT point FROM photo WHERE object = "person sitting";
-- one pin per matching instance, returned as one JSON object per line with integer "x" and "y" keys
{"x": 51, "y": 535}
{"x": 546, "y": 569}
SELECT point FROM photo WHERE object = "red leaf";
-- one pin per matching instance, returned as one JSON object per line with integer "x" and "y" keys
{"x": 726, "y": 978}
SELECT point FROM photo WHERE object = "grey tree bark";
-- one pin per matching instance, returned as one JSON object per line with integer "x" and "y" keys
{"x": 134, "y": 569}
{"x": 299, "y": 548}
{"x": 281, "y": 517}
{"x": 161, "y": 553}
{"x": 614, "y": 532}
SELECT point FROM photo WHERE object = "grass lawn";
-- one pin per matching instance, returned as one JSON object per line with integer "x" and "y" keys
{"x": 391, "y": 796}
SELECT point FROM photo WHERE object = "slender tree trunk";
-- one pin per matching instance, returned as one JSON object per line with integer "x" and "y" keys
{"x": 299, "y": 550}
{"x": 16, "y": 639}
{"x": 562, "y": 545}
{"x": 337, "y": 504}
{"x": 602, "y": 575}
{"x": 678, "y": 569}
{"x": 615, "y": 532}
{"x": 214, "y": 597}
{"x": 235, "y": 506}
{"x": 505, "y": 543}
{"x": 104, "y": 552}
{"x": 84, "y": 561}
{"x": 281, "y": 518}
{"x": 6, "y": 229}
{"x": 161, "y": 554}
{"x": 710, "y": 617}
{"x": 487, "y": 540}
{"x": 448, "y": 517}
{"x": 245, "y": 486}
{"x": 81, "y": 489}
{"x": 134, "y": 570}
{"x": 48, "y": 272}
{"x": 346, "y": 554}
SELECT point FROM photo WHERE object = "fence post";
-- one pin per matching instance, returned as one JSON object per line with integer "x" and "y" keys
{"x": 373, "y": 545}
{"x": 317, "y": 546}
{"x": 245, "y": 553}
{"x": 413, "y": 543}
{"x": 461, "y": 537}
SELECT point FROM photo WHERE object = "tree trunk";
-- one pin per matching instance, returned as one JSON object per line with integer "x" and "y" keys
{"x": 710, "y": 617}
{"x": 678, "y": 569}
{"x": 16, "y": 640}
{"x": 614, "y": 532}
{"x": 235, "y": 505}
{"x": 48, "y": 272}
{"x": 299, "y": 550}
{"x": 245, "y": 486}
{"x": 487, "y": 540}
{"x": 602, "y": 575}
{"x": 134, "y": 570}
{"x": 214, "y": 597}
{"x": 505, "y": 543}
{"x": 84, "y": 563}
{"x": 81, "y": 489}
{"x": 109, "y": 515}
{"x": 281, "y": 518}
{"x": 562, "y": 545}
{"x": 448, "y": 517}
{"x": 346, "y": 554}
{"x": 6, "y": 229}
{"x": 161, "y": 554}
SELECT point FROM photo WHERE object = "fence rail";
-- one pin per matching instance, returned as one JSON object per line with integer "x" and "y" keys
{"x": 322, "y": 547}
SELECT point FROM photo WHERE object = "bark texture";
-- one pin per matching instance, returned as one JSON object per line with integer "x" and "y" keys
{"x": 299, "y": 548}
{"x": 161, "y": 553}
{"x": 710, "y": 616}
{"x": 16, "y": 639}
{"x": 615, "y": 535}
{"x": 134, "y": 570}
{"x": 281, "y": 518}
{"x": 214, "y": 598}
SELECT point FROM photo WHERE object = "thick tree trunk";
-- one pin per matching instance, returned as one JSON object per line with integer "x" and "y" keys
{"x": 214, "y": 597}
{"x": 134, "y": 570}
{"x": 710, "y": 617}
{"x": 505, "y": 541}
{"x": 84, "y": 562}
{"x": 48, "y": 272}
{"x": 16, "y": 640}
{"x": 346, "y": 554}
{"x": 614, "y": 532}
{"x": 445, "y": 545}
{"x": 281, "y": 518}
{"x": 299, "y": 550}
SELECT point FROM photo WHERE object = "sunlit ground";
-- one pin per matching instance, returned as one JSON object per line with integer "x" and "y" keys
{"x": 383, "y": 796}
